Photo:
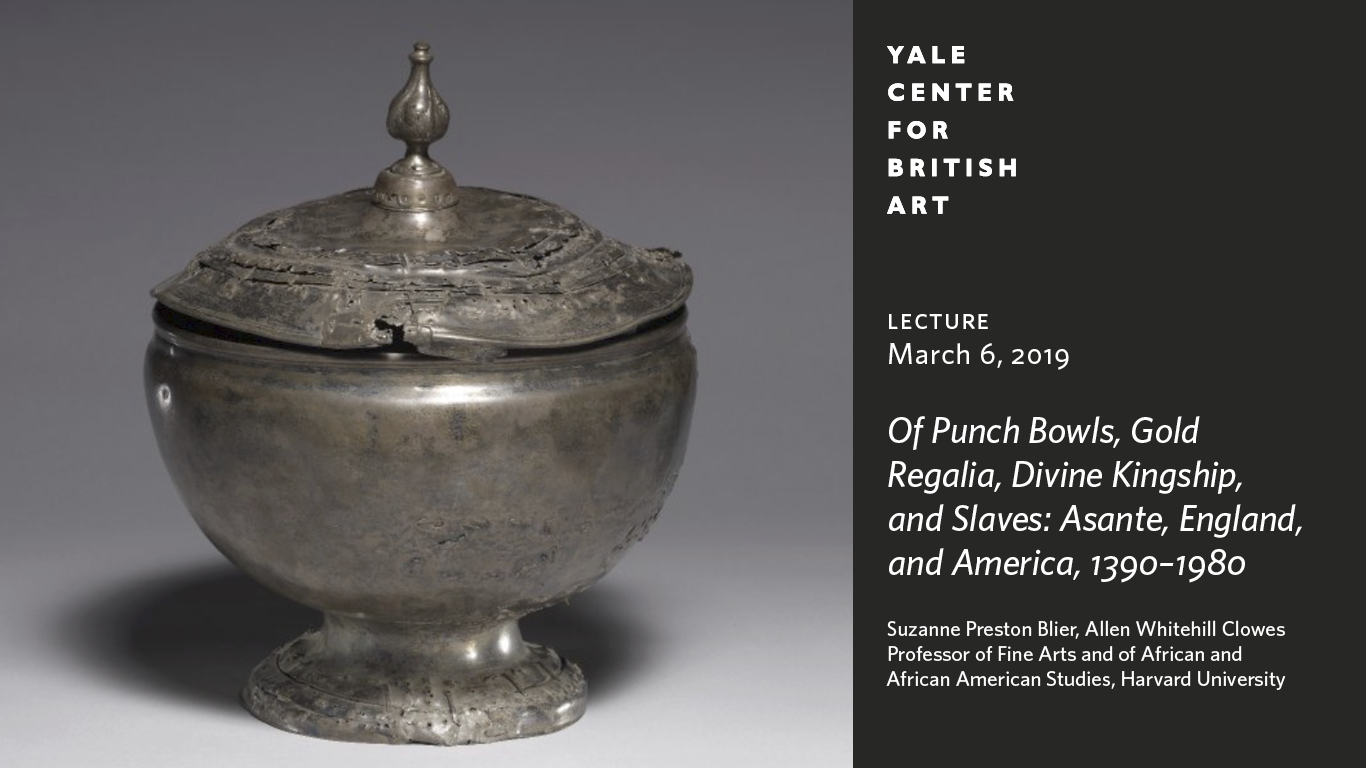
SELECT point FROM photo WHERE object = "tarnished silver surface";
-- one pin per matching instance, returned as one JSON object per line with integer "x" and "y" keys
{"x": 428, "y": 503}
{"x": 365, "y": 681}
{"x": 425, "y": 424}
{"x": 417, "y": 116}
{"x": 502, "y": 271}
{"x": 492, "y": 272}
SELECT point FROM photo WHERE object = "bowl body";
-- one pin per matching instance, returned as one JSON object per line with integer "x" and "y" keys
{"x": 406, "y": 489}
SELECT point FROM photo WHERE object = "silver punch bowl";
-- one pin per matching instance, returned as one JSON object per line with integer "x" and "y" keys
{"x": 426, "y": 411}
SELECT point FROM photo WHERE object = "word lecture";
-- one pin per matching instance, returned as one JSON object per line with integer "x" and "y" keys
{"x": 938, "y": 130}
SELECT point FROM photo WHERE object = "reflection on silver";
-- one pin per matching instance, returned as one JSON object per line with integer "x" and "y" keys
{"x": 425, "y": 411}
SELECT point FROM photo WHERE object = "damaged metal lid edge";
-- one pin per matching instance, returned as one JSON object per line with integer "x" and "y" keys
{"x": 458, "y": 272}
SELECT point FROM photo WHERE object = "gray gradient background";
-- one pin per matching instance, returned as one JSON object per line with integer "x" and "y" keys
{"x": 135, "y": 134}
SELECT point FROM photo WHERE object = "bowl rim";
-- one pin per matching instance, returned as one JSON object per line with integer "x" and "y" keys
{"x": 176, "y": 329}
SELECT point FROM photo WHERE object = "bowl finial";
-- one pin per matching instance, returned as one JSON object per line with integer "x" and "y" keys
{"x": 418, "y": 116}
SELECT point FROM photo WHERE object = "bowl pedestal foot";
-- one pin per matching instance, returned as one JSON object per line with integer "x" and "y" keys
{"x": 361, "y": 680}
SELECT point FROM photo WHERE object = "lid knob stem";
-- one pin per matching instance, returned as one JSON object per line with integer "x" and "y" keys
{"x": 418, "y": 116}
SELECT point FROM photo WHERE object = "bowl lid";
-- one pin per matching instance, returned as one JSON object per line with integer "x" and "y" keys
{"x": 460, "y": 272}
